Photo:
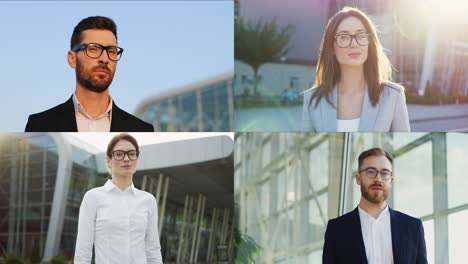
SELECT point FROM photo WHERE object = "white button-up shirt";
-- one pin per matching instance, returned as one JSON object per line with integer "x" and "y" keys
{"x": 85, "y": 123}
{"x": 377, "y": 235}
{"x": 122, "y": 225}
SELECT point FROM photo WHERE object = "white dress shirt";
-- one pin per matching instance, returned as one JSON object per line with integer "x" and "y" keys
{"x": 347, "y": 125}
{"x": 377, "y": 235}
{"x": 122, "y": 225}
{"x": 85, "y": 123}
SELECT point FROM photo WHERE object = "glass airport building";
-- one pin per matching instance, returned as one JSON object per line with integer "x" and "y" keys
{"x": 202, "y": 106}
{"x": 44, "y": 176}
{"x": 288, "y": 185}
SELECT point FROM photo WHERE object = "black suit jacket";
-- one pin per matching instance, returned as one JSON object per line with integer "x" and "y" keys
{"x": 62, "y": 119}
{"x": 344, "y": 242}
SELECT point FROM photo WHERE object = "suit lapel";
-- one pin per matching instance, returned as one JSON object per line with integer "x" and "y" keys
{"x": 360, "y": 240}
{"x": 395, "y": 237}
{"x": 67, "y": 119}
{"x": 329, "y": 113}
{"x": 368, "y": 114}
{"x": 116, "y": 120}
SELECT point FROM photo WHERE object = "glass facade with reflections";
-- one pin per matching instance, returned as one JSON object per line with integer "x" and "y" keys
{"x": 288, "y": 185}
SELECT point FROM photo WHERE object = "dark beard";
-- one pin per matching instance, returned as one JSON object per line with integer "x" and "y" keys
{"x": 88, "y": 83}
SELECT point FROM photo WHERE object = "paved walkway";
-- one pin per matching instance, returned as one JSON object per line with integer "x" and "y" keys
{"x": 422, "y": 118}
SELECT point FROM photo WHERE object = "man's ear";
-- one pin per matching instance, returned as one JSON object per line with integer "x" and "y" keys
{"x": 71, "y": 56}
{"x": 358, "y": 179}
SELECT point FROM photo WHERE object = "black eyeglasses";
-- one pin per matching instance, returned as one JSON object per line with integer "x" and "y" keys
{"x": 344, "y": 40}
{"x": 120, "y": 154}
{"x": 372, "y": 172}
{"x": 94, "y": 50}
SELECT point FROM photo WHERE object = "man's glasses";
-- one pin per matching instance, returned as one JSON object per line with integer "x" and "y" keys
{"x": 94, "y": 50}
{"x": 372, "y": 173}
{"x": 344, "y": 40}
{"x": 120, "y": 154}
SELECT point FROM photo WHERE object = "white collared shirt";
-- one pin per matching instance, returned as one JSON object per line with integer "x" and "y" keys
{"x": 85, "y": 123}
{"x": 122, "y": 225}
{"x": 377, "y": 235}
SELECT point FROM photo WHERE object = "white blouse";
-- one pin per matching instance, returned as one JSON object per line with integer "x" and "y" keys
{"x": 122, "y": 226}
{"x": 350, "y": 125}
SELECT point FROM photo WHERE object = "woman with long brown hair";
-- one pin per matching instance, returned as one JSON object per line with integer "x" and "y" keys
{"x": 352, "y": 90}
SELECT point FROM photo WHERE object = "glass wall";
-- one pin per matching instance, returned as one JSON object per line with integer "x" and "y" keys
{"x": 28, "y": 167}
{"x": 288, "y": 185}
{"x": 206, "y": 108}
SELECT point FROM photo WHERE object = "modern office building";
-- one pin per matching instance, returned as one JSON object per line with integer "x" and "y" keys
{"x": 203, "y": 106}
{"x": 43, "y": 178}
{"x": 288, "y": 185}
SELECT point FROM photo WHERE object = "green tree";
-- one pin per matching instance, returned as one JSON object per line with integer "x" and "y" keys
{"x": 36, "y": 254}
{"x": 259, "y": 43}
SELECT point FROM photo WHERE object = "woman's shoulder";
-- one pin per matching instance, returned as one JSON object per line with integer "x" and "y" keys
{"x": 94, "y": 191}
{"x": 309, "y": 92}
{"x": 393, "y": 87}
{"x": 144, "y": 195}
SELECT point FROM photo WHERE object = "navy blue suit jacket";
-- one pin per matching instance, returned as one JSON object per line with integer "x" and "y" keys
{"x": 344, "y": 242}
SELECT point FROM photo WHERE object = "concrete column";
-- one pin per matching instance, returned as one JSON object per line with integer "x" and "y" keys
{"x": 439, "y": 168}
{"x": 59, "y": 199}
{"x": 163, "y": 206}
{"x": 199, "y": 110}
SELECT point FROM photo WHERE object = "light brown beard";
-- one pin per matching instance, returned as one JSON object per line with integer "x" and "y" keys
{"x": 373, "y": 198}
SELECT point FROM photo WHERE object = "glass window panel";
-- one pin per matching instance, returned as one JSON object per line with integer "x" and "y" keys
{"x": 402, "y": 139}
{"x": 414, "y": 181}
{"x": 266, "y": 153}
{"x": 457, "y": 169}
{"x": 281, "y": 187}
{"x": 429, "y": 237}
{"x": 318, "y": 166}
{"x": 315, "y": 257}
{"x": 458, "y": 236}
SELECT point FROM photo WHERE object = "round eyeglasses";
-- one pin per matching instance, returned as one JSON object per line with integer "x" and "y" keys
{"x": 344, "y": 40}
{"x": 94, "y": 50}
{"x": 372, "y": 173}
{"x": 120, "y": 154}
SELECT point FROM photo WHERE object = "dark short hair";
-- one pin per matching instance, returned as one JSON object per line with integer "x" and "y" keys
{"x": 116, "y": 139}
{"x": 93, "y": 22}
{"x": 374, "y": 152}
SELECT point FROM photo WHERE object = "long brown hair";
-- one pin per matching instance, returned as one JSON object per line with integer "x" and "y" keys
{"x": 377, "y": 67}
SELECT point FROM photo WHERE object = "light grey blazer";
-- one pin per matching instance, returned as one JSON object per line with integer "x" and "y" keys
{"x": 390, "y": 113}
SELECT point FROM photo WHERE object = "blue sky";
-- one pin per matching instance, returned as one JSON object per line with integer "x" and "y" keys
{"x": 167, "y": 44}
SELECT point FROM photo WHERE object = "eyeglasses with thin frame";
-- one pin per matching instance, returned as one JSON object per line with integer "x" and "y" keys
{"x": 344, "y": 40}
{"x": 94, "y": 50}
{"x": 120, "y": 154}
{"x": 372, "y": 172}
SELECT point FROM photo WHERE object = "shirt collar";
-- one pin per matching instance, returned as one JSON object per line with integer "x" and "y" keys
{"x": 79, "y": 108}
{"x": 363, "y": 213}
{"x": 109, "y": 185}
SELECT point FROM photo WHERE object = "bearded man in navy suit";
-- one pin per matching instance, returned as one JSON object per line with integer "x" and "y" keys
{"x": 374, "y": 233}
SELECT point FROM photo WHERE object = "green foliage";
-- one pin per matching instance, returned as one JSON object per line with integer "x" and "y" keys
{"x": 259, "y": 43}
{"x": 12, "y": 260}
{"x": 58, "y": 260}
{"x": 245, "y": 248}
{"x": 35, "y": 254}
